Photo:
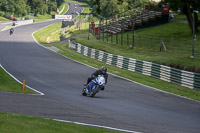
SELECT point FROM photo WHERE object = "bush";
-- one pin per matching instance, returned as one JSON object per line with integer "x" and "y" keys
{"x": 2, "y": 13}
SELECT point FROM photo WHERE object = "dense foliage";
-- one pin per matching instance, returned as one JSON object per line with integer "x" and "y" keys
{"x": 107, "y": 8}
{"x": 23, "y": 7}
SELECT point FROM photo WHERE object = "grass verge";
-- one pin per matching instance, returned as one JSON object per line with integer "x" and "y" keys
{"x": 25, "y": 124}
{"x": 174, "y": 59}
{"x": 146, "y": 80}
{"x": 4, "y": 19}
{"x": 42, "y": 18}
{"x": 49, "y": 34}
{"x": 8, "y": 84}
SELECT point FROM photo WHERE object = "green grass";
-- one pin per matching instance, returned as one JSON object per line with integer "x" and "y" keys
{"x": 8, "y": 84}
{"x": 180, "y": 17}
{"x": 150, "y": 52}
{"x": 146, "y": 80}
{"x": 4, "y": 19}
{"x": 24, "y": 124}
{"x": 42, "y": 18}
{"x": 52, "y": 32}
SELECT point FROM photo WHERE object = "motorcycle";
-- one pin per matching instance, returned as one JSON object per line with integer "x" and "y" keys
{"x": 11, "y": 31}
{"x": 94, "y": 86}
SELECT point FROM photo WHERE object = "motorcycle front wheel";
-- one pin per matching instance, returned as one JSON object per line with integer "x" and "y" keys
{"x": 93, "y": 93}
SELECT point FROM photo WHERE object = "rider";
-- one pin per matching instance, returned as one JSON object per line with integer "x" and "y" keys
{"x": 11, "y": 31}
{"x": 101, "y": 71}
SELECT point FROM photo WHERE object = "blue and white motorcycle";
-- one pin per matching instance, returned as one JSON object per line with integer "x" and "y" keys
{"x": 94, "y": 86}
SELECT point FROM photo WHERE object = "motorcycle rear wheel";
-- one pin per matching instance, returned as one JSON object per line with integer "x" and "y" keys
{"x": 83, "y": 92}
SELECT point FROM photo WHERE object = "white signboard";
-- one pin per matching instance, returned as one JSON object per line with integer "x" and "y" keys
{"x": 68, "y": 17}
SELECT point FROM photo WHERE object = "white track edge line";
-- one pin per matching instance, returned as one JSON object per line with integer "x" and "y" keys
{"x": 40, "y": 93}
{"x": 97, "y": 126}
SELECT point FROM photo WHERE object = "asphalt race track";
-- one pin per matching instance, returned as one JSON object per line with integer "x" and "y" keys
{"x": 123, "y": 104}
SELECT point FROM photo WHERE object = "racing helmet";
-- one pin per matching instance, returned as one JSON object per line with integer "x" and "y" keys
{"x": 104, "y": 69}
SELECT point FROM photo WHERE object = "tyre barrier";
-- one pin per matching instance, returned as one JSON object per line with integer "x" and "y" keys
{"x": 180, "y": 77}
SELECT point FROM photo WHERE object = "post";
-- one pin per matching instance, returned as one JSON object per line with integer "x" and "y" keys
{"x": 23, "y": 86}
{"x": 107, "y": 36}
{"x": 89, "y": 29}
{"x": 194, "y": 35}
{"x": 193, "y": 38}
{"x": 80, "y": 20}
{"x": 117, "y": 38}
{"x": 111, "y": 37}
{"x": 181, "y": 45}
{"x": 103, "y": 34}
{"x": 171, "y": 43}
{"x": 139, "y": 41}
{"x": 153, "y": 39}
{"x": 133, "y": 41}
{"x": 107, "y": 28}
{"x": 127, "y": 39}
{"x": 99, "y": 29}
{"x": 122, "y": 30}
{"x": 85, "y": 21}
{"x": 146, "y": 41}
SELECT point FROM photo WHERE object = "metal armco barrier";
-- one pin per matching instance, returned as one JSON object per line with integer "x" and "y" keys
{"x": 177, "y": 76}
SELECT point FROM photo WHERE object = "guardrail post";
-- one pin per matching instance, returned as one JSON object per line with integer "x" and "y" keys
{"x": 111, "y": 37}
{"x": 181, "y": 42}
{"x": 127, "y": 39}
{"x": 122, "y": 30}
{"x": 117, "y": 38}
{"x": 100, "y": 29}
{"x": 146, "y": 41}
{"x": 139, "y": 41}
{"x": 172, "y": 44}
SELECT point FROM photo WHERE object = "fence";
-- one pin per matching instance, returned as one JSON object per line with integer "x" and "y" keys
{"x": 150, "y": 42}
{"x": 177, "y": 76}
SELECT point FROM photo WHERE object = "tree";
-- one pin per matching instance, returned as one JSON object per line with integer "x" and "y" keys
{"x": 108, "y": 8}
{"x": 59, "y": 2}
{"x": 52, "y": 6}
{"x": 39, "y": 7}
{"x": 10, "y": 6}
{"x": 3, "y": 3}
{"x": 20, "y": 7}
{"x": 187, "y": 7}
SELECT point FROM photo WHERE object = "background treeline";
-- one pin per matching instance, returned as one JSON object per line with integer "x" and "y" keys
{"x": 24, "y": 7}
{"x": 107, "y": 8}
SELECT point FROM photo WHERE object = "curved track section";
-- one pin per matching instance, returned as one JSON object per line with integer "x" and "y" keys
{"x": 124, "y": 104}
